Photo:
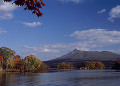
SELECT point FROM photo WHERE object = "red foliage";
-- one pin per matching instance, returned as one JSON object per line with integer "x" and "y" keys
{"x": 16, "y": 59}
{"x": 33, "y": 5}
{"x": 0, "y": 58}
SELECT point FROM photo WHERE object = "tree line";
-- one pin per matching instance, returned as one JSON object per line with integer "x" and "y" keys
{"x": 88, "y": 65}
{"x": 9, "y": 61}
{"x": 85, "y": 65}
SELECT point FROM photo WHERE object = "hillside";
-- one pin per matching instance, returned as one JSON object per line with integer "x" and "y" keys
{"x": 90, "y": 55}
{"x": 78, "y": 56}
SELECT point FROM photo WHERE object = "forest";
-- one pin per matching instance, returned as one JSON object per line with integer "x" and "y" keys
{"x": 10, "y": 62}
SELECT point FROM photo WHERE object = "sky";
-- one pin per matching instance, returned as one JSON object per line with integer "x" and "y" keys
{"x": 88, "y": 25}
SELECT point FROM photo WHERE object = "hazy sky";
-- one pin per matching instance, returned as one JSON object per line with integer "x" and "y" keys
{"x": 65, "y": 25}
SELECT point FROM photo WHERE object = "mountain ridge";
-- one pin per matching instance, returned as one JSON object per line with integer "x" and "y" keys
{"x": 91, "y": 55}
{"x": 79, "y": 55}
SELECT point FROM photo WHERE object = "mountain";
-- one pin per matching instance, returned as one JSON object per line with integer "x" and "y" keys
{"x": 90, "y": 55}
{"x": 78, "y": 56}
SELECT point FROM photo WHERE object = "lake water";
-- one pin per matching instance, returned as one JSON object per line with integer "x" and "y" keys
{"x": 66, "y": 78}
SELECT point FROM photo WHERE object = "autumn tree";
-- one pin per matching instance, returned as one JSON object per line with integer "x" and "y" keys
{"x": 10, "y": 64}
{"x": 16, "y": 60}
{"x": 31, "y": 62}
{"x": 33, "y": 5}
{"x": 21, "y": 64}
{"x": 65, "y": 65}
{"x": 93, "y": 65}
{"x": 0, "y": 62}
{"x": 13, "y": 63}
{"x": 28, "y": 64}
{"x": 99, "y": 65}
{"x": 6, "y": 53}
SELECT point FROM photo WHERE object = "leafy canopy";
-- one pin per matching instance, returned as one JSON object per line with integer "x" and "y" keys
{"x": 94, "y": 65}
{"x": 65, "y": 65}
{"x": 32, "y": 62}
{"x": 5, "y": 54}
{"x": 33, "y": 5}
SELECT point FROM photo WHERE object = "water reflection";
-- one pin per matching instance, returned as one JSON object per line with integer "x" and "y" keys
{"x": 19, "y": 79}
{"x": 2, "y": 79}
{"x": 64, "y": 78}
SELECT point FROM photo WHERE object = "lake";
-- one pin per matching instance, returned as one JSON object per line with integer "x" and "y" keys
{"x": 64, "y": 78}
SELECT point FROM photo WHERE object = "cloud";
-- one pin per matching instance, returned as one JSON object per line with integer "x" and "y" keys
{"x": 74, "y": 1}
{"x": 101, "y": 11}
{"x": 2, "y": 31}
{"x": 6, "y": 9}
{"x": 114, "y": 13}
{"x": 90, "y": 39}
{"x": 33, "y": 24}
{"x": 99, "y": 36}
{"x": 51, "y": 51}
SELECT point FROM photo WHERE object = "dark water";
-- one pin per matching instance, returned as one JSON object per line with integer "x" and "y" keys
{"x": 67, "y": 78}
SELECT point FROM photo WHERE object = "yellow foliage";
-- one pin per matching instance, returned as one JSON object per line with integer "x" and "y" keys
{"x": 32, "y": 62}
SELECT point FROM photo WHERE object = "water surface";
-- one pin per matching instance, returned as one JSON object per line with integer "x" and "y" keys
{"x": 66, "y": 78}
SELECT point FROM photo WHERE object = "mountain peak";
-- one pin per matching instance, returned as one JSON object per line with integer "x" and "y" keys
{"x": 75, "y": 49}
{"x": 91, "y": 55}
